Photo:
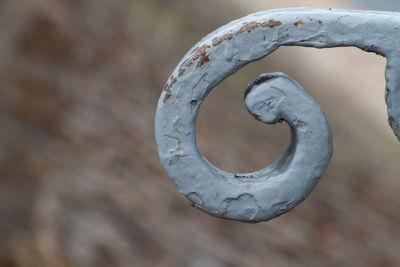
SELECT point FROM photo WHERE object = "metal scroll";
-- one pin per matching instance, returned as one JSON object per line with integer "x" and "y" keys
{"x": 278, "y": 188}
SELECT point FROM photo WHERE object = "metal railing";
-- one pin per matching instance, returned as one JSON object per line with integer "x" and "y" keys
{"x": 273, "y": 97}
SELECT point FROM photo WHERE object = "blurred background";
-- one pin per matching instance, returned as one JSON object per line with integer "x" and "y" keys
{"x": 80, "y": 179}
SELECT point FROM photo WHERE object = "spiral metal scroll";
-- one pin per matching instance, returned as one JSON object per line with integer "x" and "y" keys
{"x": 278, "y": 188}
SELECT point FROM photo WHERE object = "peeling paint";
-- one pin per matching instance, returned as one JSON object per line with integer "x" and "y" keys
{"x": 218, "y": 40}
{"x": 168, "y": 94}
{"x": 299, "y": 23}
{"x": 271, "y": 24}
{"x": 249, "y": 26}
{"x": 204, "y": 60}
{"x": 188, "y": 62}
{"x": 173, "y": 80}
{"x": 181, "y": 72}
{"x": 166, "y": 86}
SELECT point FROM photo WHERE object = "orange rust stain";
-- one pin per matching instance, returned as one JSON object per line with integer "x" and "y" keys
{"x": 188, "y": 62}
{"x": 204, "y": 60}
{"x": 217, "y": 41}
{"x": 202, "y": 54}
{"x": 271, "y": 24}
{"x": 249, "y": 26}
{"x": 193, "y": 205}
{"x": 199, "y": 52}
{"x": 165, "y": 87}
{"x": 168, "y": 94}
{"x": 181, "y": 72}
{"x": 173, "y": 80}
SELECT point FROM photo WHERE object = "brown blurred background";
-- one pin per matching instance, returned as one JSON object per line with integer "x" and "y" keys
{"x": 80, "y": 179}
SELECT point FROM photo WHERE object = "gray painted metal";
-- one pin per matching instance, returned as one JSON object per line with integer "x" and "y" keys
{"x": 265, "y": 194}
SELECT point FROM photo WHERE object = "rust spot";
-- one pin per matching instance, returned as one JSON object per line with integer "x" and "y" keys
{"x": 193, "y": 205}
{"x": 165, "y": 87}
{"x": 299, "y": 23}
{"x": 271, "y": 24}
{"x": 249, "y": 26}
{"x": 204, "y": 60}
{"x": 181, "y": 72}
{"x": 168, "y": 94}
{"x": 173, "y": 80}
{"x": 188, "y": 62}
{"x": 217, "y": 41}
{"x": 201, "y": 53}
{"x": 320, "y": 21}
{"x": 194, "y": 50}
{"x": 281, "y": 120}
{"x": 264, "y": 38}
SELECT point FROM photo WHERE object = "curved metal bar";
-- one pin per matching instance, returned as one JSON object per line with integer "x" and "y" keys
{"x": 278, "y": 188}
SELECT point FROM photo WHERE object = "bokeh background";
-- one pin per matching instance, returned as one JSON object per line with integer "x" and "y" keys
{"x": 80, "y": 179}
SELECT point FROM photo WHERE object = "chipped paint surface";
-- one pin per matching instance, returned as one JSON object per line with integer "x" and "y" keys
{"x": 299, "y": 23}
{"x": 271, "y": 23}
{"x": 271, "y": 98}
{"x": 218, "y": 40}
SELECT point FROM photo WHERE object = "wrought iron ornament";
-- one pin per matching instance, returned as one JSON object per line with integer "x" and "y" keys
{"x": 278, "y": 188}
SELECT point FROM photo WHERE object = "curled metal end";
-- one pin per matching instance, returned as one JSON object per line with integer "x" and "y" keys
{"x": 273, "y": 97}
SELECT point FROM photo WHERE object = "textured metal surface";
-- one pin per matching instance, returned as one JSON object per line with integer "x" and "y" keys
{"x": 278, "y": 188}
